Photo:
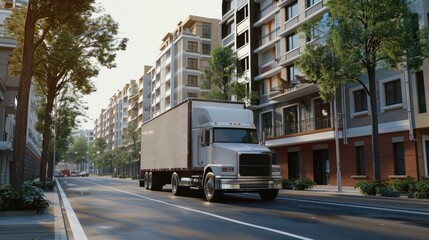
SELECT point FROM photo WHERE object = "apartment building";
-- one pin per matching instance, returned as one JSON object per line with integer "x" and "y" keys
{"x": 419, "y": 88}
{"x": 139, "y": 99}
{"x": 8, "y": 103}
{"x": 296, "y": 124}
{"x": 184, "y": 53}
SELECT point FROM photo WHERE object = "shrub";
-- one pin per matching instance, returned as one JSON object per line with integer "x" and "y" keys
{"x": 302, "y": 184}
{"x": 387, "y": 192}
{"x": 401, "y": 185}
{"x": 287, "y": 184}
{"x": 370, "y": 188}
{"x": 48, "y": 186}
{"x": 28, "y": 198}
{"x": 419, "y": 190}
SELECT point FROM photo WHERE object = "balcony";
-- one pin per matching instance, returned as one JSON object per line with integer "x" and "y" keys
{"x": 269, "y": 69}
{"x": 267, "y": 38}
{"x": 266, "y": 14}
{"x": 228, "y": 39}
{"x": 302, "y": 127}
{"x": 315, "y": 8}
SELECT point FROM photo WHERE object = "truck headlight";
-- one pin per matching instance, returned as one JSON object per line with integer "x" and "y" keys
{"x": 275, "y": 169}
{"x": 227, "y": 169}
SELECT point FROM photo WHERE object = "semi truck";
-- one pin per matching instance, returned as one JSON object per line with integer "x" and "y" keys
{"x": 207, "y": 145}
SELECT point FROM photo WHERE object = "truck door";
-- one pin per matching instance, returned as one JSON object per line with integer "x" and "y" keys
{"x": 205, "y": 146}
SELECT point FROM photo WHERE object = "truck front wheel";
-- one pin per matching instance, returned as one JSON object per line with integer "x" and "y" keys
{"x": 212, "y": 195}
{"x": 268, "y": 194}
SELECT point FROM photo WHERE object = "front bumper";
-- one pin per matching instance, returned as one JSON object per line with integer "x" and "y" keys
{"x": 247, "y": 184}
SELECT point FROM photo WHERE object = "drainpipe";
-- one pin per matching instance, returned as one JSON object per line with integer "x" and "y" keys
{"x": 409, "y": 110}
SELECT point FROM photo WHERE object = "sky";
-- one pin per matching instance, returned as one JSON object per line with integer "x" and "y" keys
{"x": 144, "y": 23}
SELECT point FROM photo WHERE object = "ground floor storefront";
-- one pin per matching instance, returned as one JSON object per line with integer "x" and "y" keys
{"x": 317, "y": 160}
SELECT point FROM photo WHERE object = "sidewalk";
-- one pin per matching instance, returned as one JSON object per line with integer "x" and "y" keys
{"x": 30, "y": 225}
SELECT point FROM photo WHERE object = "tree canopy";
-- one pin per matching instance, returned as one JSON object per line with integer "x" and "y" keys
{"x": 222, "y": 77}
{"x": 70, "y": 46}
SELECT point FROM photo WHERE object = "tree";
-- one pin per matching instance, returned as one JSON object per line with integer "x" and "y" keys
{"x": 78, "y": 152}
{"x": 364, "y": 35}
{"x": 132, "y": 140}
{"x": 70, "y": 45}
{"x": 223, "y": 73}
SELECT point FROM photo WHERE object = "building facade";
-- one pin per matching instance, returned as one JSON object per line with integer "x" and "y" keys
{"x": 184, "y": 53}
{"x": 297, "y": 125}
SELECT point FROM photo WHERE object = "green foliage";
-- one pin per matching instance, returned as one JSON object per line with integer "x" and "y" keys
{"x": 28, "y": 198}
{"x": 222, "y": 77}
{"x": 419, "y": 190}
{"x": 401, "y": 185}
{"x": 47, "y": 186}
{"x": 298, "y": 184}
{"x": 370, "y": 188}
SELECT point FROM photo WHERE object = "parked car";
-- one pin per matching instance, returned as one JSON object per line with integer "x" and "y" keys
{"x": 84, "y": 174}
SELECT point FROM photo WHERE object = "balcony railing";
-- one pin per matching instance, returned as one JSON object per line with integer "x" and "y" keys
{"x": 268, "y": 37}
{"x": 269, "y": 66}
{"x": 269, "y": 8}
{"x": 301, "y": 127}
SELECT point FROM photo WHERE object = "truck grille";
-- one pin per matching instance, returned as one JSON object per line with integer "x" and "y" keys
{"x": 255, "y": 165}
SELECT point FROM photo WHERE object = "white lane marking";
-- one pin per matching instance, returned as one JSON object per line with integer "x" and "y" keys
{"x": 75, "y": 226}
{"x": 206, "y": 213}
{"x": 356, "y": 206}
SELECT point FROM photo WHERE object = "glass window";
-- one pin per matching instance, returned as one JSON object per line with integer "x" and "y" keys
{"x": 292, "y": 11}
{"x": 290, "y": 116}
{"x": 207, "y": 31}
{"x": 361, "y": 100}
{"x": 192, "y": 63}
{"x": 360, "y": 160}
{"x": 399, "y": 154}
{"x": 267, "y": 123}
{"x": 310, "y": 3}
{"x": 192, "y": 80}
{"x": 322, "y": 113}
{"x": 206, "y": 47}
{"x": 393, "y": 92}
{"x": 192, "y": 46}
{"x": 292, "y": 42}
{"x": 233, "y": 135}
{"x": 421, "y": 95}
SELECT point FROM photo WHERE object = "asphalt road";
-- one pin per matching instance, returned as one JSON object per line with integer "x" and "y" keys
{"x": 119, "y": 209}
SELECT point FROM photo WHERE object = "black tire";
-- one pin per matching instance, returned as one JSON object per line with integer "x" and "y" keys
{"x": 212, "y": 195}
{"x": 268, "y": 194}
{"x": 176, "y": 189}
{"x": 146, "y": 180}
{"x": 155, "y": 183}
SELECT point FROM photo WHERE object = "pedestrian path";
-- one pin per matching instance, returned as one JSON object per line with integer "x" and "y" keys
{"x": 30, "y": 225}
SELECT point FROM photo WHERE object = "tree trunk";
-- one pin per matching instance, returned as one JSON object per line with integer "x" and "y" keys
{"x": 374, "y": 122}
{"x": 47, "y": 129}
{"x": 20, "y": 140}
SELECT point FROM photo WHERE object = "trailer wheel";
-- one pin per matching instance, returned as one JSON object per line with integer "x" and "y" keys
{"x": 146, "y": 180}
{"x": 150, "y": 181}
{"x": 268, "y": 194}
{"x": 212, "y": 195}
{"x": 176, "y": 189}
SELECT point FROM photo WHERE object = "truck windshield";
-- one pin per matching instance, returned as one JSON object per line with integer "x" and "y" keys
{"x": 233, "y": 135}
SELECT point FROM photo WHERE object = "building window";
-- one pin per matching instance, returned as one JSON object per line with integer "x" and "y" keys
{"x": 360, "y": 101}
{"x": 421, "y": 95}
{"x": 192, "y": 80}
{"x": 322, "y": 114}
{"x": 192, "y": 46}
{"x": 310, "y": 3}
{"x": 399, "y": 155}
{"x": 292, "y": 42}
{"x": 192, "y": 95}
{"x": 393, "y": 92}
{"x": 291, "y": 73}
{"x": 360, "y": 160}
{"x": 292, "y": 11}
{"x": 207, "y": 31}
{"x": 206, "y": 47}
{"x": 192, "y": 63}
{"x": 266, "y": 123}
{"x": 290, "y": 116}
{"x": 244, "y": 63}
